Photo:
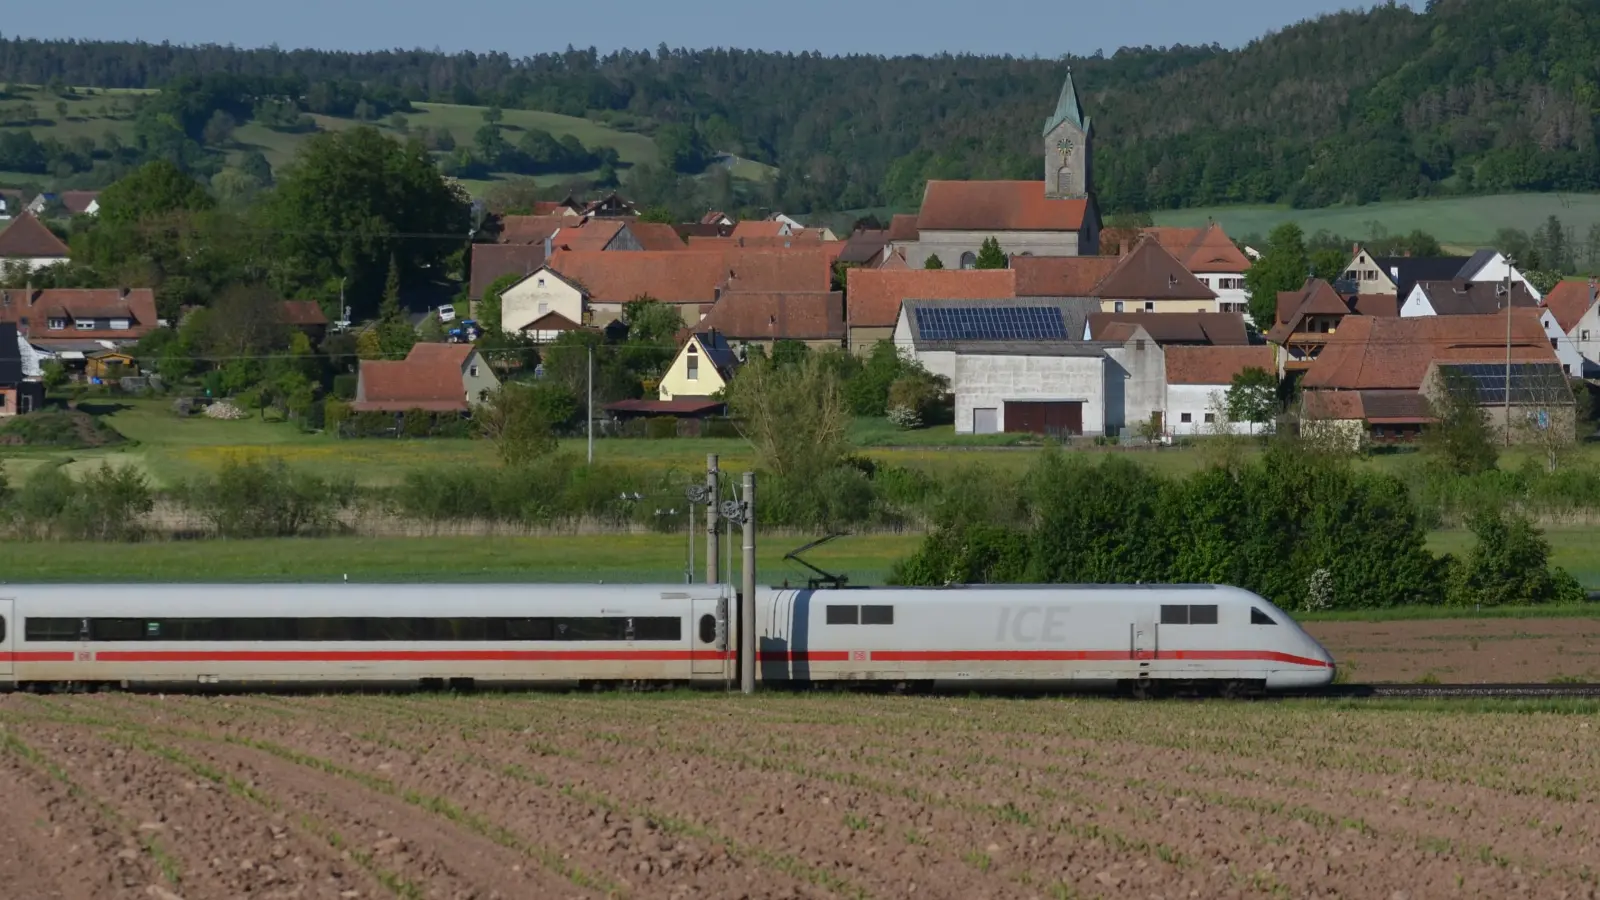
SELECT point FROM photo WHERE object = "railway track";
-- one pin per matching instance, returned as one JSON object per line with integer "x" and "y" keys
{"x": 1432, "y": 691}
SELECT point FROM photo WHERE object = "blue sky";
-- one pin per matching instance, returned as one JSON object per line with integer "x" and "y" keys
{"x": 1019, "y": 27}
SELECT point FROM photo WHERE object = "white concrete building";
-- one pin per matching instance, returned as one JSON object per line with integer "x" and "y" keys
{"x": 1198, "y": 381}
{"x": 539, "y": 295}
{"x": 1066, "y": 388}
{"x": 928, "y": 330}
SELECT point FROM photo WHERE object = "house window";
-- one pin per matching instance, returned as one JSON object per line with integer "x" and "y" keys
{"x": 1186, "y": 417}
{"x": 85, "y": 324}
{"x": 1211, "y": 418}
{"x": 694, "y": 365}
{"x": 1117, "y": 306}
{"x": 541, "y": 282}
{"x": 472, "y": 371}
{"x": 57, "y": 324}
{"x": 1149, "y": 306}
{"x": 119, "y": 324}
{"x": 1583, "y": 335}
{"x": 969, "y": 260}
{"x": 544, "y": 307}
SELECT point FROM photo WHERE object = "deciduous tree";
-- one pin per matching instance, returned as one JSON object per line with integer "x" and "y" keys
{"x": 1282, "y": 267}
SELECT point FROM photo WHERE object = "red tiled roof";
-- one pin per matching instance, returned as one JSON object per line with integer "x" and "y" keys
{"x": 875, "y": 295}
{"x": 690, "y": 406}
{"x": 1205, "y": 249}
{"x": 751, "y": 228}
{"x": 554, "y": 321}
{"x": 708, "y": 242}
{"x": 1215, "y": 365}
{"x": 1316, "y": 297}
{"x": 1320, "y": 405}
{"x": 27, "y": 238}
{"x": 1061, "y": 276}
{"x": 903, "y": 227}
{"x": 1371, "y": 353}
{"x": 1149, "y": 272}
{"x": 589, "y": 234}
{"x": 656, "y": 236}
{"x": 138, "y": 306}
{"x": 553, "y": 208}
{"x": 809, "y": 316}
{"x": 429, "y": 378}
{"x": 667, "y": 275}
{"x": 531, "y": 229}
{"x": 492, "y": 261}
{"x": 808, "y": 268}
{"x": 1222, "y": 329}
{"x": 303, "y": 312}
{"x": 996, "y": 206}
{"x": 1567, "y": 302}
{"x": 78, "y": 201}
{"x": 1382, "y": 305}
{"x": 1398, "y": 406}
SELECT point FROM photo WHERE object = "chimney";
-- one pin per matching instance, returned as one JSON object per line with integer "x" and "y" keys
{"x": 124, "y": 294}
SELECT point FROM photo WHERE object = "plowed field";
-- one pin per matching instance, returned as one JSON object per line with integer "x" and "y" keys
{"x": 706, "y": 796}
{"x": 1464, "y": 651}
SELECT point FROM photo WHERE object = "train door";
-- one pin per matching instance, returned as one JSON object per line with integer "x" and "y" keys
{"x": 1143, "y": 643}
{"x": 8, "y": 635}
{"x": 710, "y": 656}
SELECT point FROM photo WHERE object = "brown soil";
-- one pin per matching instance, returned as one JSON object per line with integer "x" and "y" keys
{"x": 706, "y": 796}
{"x": 1464, "y": 651}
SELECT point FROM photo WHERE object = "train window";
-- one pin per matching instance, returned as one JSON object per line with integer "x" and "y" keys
{"x": 877, "y": 615}
{"x": 657, "y": 628}
{"x": 116, "y": 629}
{"x": 844, "y": 615}
{"x": 50, "y": 629}
{"x": 1257, "y": 617}
{"x": 529, "y": 629}
{"x": 1203, "y": 615}
{"x": 1176, "y": 614}
{"x": 708, "y": 629}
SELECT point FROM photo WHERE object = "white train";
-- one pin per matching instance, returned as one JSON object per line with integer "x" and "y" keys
{"x": 1139, "y": 637}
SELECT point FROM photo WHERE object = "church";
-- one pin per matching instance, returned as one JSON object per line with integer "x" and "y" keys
{"x": 1053, "y": 217}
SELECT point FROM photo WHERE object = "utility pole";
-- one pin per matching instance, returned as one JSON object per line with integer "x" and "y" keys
{"x": 747, "y": 600}
{"x": 688, "y": 565}
{"x": 590, "y": 406}
{"x": 1508, "y": 354}
{"x": 711, "y": 518}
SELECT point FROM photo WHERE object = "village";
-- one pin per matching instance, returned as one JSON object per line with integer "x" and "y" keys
{"x": 1025, "y": 311}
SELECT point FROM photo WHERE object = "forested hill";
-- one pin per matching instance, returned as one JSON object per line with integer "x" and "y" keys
{"x": 1470, "y": 96}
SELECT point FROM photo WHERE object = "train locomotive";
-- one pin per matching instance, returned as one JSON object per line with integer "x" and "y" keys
{"x": 1138, "y": 638}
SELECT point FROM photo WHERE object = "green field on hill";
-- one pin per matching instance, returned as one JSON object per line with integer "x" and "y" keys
{"x": 1460, "y": 221}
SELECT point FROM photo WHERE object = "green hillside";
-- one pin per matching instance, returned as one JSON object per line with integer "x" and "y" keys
{"x": 1461, "y": 221}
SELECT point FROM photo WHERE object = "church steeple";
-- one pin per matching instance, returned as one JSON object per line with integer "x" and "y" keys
{"x": 1068, "y": 154}
{"x": 1067, "y": 108}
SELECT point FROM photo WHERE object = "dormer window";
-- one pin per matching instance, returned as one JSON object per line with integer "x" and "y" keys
{"x": 57, "y": 324}
{"x": 84, "y": 324}
{"x": 119, "y": 324}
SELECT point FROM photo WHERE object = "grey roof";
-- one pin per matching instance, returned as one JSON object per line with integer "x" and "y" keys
{"x": 1031, "y": 348}
{"x": 1413, "y": 269}
{"x": 1068, "y": 109}
{"x": 1473, "y": 298}
{"x": 1075, "y": 312}
{"x": 1476, "y": 262}
{"x": 718, "y": 352}
{"x": 863, "y": 247}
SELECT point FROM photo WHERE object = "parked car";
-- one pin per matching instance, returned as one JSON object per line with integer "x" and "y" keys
{"x": 447, "y": 313}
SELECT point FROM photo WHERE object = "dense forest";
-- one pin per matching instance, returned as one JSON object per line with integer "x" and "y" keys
{"x": 1467, "y": 96}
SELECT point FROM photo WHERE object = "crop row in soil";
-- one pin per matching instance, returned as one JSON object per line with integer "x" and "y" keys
{"x": 683, "y": 795}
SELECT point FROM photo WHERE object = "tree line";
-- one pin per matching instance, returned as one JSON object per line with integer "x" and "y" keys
{"x": 1465, "y": 96}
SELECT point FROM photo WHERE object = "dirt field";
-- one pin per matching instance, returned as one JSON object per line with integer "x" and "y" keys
{"x": 705, "y": 796}
{"x": 1464, "y": 651}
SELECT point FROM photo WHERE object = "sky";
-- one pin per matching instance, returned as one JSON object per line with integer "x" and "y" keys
{"x": 522, "y": 27}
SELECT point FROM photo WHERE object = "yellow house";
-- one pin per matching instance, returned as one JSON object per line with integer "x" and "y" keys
{"x": 703, "y": 367}
{"x": 542, "y": 293}
{"x": 1150, "y": 279}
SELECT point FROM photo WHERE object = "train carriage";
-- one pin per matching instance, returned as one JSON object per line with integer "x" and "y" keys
{"x": 435, "y": 635}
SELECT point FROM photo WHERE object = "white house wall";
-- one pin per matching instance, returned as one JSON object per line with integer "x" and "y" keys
{"x": 1141, "y": 367}
{"x": 1585, "y": 338}
{"x": 1416, "y": 305}
{"x": 1565, "y": 345}
{"x": 988, "y": 382}
{"x": 537, "y": 296}
{"x": 1197, "y": 401}
{"x": 1228, "y": 299}
{"x": 1495, "y": 270}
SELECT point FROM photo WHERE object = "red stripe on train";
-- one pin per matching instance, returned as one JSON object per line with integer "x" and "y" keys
{"x": 401, "y": 655}
{"x": 37, "y": 656}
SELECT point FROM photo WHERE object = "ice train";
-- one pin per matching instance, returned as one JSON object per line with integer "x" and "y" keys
{"x": 1142, "y": 638}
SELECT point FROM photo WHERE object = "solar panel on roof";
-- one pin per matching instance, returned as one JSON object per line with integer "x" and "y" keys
{"x": 991, "y": 323}
{"x": 1530, "y": 382}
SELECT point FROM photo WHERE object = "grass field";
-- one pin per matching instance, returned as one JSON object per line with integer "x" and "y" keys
{"x": 1462, "y": 221}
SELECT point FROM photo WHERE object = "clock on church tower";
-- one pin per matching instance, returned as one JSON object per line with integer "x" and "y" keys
{"x": 1065, "y": 146}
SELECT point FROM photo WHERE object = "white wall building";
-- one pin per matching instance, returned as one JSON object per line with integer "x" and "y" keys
{"x": 1198, "y": 381}
{"x": 538, "y": 295}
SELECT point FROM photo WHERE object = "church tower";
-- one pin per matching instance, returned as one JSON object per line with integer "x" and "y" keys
{"x": 1068, "y": 148}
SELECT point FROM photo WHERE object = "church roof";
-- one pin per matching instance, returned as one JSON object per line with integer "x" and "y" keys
{"x": 1068, "y": 109}
{"x": 996, "y": 206}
